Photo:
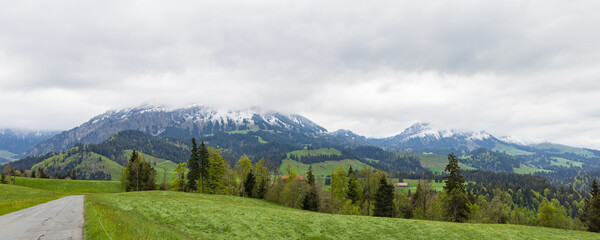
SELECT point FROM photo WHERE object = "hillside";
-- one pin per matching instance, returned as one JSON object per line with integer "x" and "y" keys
{"x": 177, "y": 215}
{"x": 183, "y": 123}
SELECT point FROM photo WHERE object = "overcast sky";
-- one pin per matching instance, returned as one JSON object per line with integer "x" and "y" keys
{"x": 523, "y": 68}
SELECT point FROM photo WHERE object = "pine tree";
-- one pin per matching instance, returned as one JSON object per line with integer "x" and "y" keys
{"x": 591, "y": 210}
{"x": 204, "y": 166}
{"x": 456, "y": 197}
{"x": 249, "y": 184}
{"x": 311, "y": 200}
{"x": 310, "y": 177}
{"x": 194, "y": 165}
{"x": 352, "y": 192}
{"x": 384, "y": 199}
{"x": 138, "y": 175}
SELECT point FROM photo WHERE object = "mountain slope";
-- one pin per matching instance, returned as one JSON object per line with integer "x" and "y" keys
{"x": 183, "y": 123}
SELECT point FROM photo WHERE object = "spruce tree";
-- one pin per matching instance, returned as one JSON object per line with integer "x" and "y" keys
{"x": 591, "y": 210}
{"x": 456, "y": 199}
{"x": 194, "y": 165}
{"x": 311, "y": 199}
{"x": 138, "y": 175}
{"x": 384, "y": 199}
{"x": 352, "y": 189}
{"x": 204, "y": 166}
{"x": 249, "y": 184}
{"x": 310, "y": 177}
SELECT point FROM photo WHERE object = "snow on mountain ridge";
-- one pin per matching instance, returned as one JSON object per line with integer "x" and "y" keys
{"x": 522, "y": 140}
{"x": 424, "y": 130}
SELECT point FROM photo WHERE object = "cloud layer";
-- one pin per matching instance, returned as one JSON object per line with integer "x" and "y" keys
{"x": 507, "y": 67}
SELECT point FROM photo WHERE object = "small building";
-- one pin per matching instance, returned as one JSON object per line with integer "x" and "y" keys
{"x": 401, "y": 185}
{"x": 297, "y": 176}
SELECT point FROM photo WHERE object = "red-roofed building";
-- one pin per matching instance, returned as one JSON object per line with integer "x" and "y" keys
{"x": 297, "y": 176}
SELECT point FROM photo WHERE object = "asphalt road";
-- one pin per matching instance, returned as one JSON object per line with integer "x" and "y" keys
{"x": 58, "y": 219}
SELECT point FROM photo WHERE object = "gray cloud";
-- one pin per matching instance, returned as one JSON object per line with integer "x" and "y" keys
{"x": 507, "y": 67}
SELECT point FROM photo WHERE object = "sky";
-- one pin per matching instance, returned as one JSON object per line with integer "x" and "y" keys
{"x": 516, "y": 68}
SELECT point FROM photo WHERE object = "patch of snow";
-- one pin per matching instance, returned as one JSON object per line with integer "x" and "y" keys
{"x": 522, "y": 140}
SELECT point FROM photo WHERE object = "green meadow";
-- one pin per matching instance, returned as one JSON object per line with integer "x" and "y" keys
{"x": 177, "y": 215}
{"x": 70, "y": 186}
{"x": 321, "y": 169}
{"x": 13, "y": 198}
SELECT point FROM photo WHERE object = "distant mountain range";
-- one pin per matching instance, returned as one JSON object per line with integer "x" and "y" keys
{"x": 15, "y": 142}
{"x": 266, "y": 134}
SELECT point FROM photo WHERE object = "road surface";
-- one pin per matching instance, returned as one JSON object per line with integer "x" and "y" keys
{"x": 58, "y": 219}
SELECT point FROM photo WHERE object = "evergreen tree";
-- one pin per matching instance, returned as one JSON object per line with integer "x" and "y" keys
{"x": 384, "y": 199}
{"x": 138, "y": 175}
{"x": 194, "y": 165}
{"x": 204, "y": 166}
{"x": 311, "y": 200}
{"x": 249, "y": 184}
{"x": 456, "y": 197}
{"x": 591, "y": 210}
{"x": 310, "y": 177}
{"x": 352, "y": 192}
{"x": 454, "y": 180}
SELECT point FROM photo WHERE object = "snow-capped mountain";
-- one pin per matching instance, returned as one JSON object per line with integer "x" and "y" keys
{"x": 18, "y": 141}
{"x": 424, "y": 135}
{"x": 179, "y": 123}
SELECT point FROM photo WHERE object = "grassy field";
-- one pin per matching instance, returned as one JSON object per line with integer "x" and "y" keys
{"x": 13, "y": 198}
{"x": 510, "y": 150}
{"x": 315, "y": 152}
{"x": 70, "y": 186}
{"x": 412, "y": 185}
{"x": 176, "y": 215}
{"x": 526, "y": 169}
{"x": 563, "y": 162}
{"x": 435, "y": 163}
{"x": 320, "y": 169}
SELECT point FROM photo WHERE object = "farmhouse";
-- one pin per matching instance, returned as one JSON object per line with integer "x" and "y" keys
{"x": 401, "y": 185}
{"x": 297, "y": 176}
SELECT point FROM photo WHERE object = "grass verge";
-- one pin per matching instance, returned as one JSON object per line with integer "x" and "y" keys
{"x": 13, "y": 198}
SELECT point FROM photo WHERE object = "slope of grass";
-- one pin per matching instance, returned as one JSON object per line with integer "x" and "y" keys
{"x": 315, "y": 152}
{"x": 176, "y": 215}
{"x": 70, "y": 186}
{"x": 434, "y": 162}
{"x": 321, "y": 169}
{"x": 564, "y": 149}
{"x": 526, "y": 169}
{"x": 412, "y": 185}
{"x": 563, "y": 162}
{"x": 510, "y": 150}
{"x": 13, "y": 198}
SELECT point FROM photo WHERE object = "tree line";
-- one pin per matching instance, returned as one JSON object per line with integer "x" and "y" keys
{"x": 370, "y": 192}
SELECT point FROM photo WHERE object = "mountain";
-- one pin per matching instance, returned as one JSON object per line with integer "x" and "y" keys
{"x": 166, "y": 134}
{"x": 183, "y": 123}
{"x": 15, "y": 142}
{"x": 425, "y": 136}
